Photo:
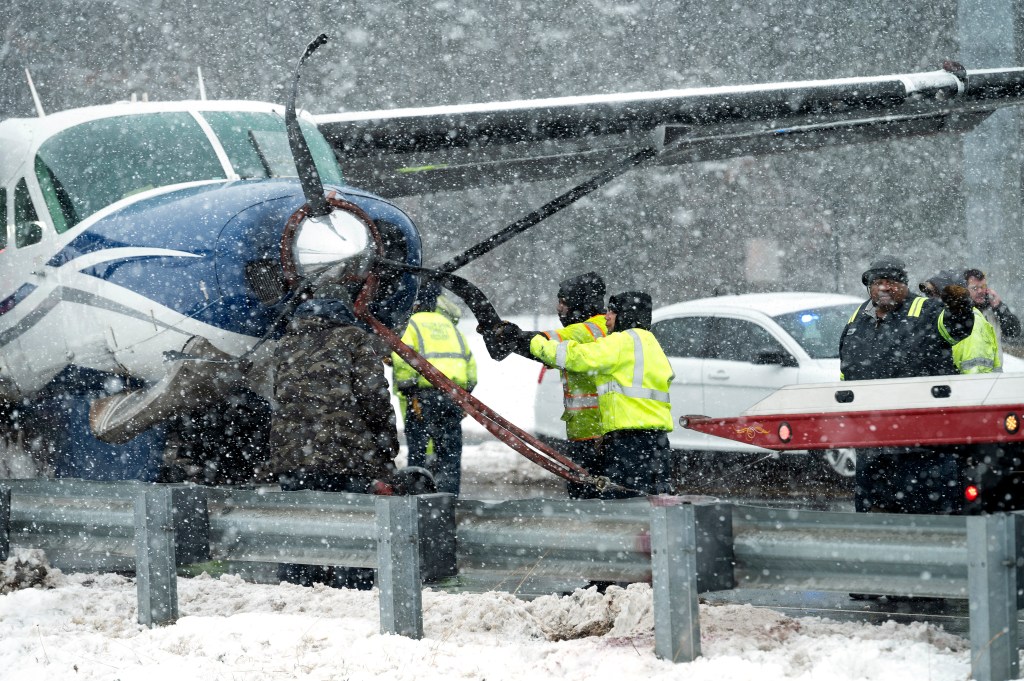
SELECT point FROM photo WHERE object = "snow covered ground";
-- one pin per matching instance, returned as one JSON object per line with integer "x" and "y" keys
{"x": 55, "y": 626}
{"x": 83, "y": 627}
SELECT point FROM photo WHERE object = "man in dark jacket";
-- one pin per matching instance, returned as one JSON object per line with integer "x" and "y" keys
{"x": 334, "y": 428}
{"x": 894, "y": 335}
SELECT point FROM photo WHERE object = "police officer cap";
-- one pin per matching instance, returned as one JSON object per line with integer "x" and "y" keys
{"x": 887, "y": 267}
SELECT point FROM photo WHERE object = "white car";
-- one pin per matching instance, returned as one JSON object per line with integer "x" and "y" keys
{"x": 730, "y": 352}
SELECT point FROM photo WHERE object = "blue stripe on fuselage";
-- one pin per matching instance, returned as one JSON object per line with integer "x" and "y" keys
{"x": 8, "y": 303}
{"x": 218, "y": 229}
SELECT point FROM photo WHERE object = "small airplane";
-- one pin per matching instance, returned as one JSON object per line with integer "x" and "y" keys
{"x": 154, "y": 251}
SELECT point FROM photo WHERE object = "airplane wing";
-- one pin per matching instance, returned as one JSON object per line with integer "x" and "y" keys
{"x": 404, "y": 152}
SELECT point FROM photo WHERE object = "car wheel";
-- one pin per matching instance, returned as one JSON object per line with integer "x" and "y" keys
{"x": 842, "y": 461}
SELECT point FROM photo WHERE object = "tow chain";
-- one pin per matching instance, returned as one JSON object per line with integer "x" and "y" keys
{"x": 519, "y": 440}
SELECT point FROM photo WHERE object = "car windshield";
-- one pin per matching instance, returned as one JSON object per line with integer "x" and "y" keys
{"x": 817, "y": 329}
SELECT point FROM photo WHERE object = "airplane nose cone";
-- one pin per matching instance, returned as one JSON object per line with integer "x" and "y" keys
{"x": 335, "y": 246}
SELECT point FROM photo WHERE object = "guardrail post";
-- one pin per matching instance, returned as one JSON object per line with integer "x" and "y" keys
{"x": 191, "y": 524}
{"x": 674, "y": 581}
{"x": 155, "y": 575}
{"x": 993, "y": 549}
{"x": 5, "y": 522}
{"x": 437, "y": 537}
{"x": 715, "y": 555}
{"x": 398, "y": 566}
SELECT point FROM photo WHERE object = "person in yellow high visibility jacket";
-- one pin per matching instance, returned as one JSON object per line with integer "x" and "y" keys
{"x": 632, "y": 377}
{"x": 580, "y": 308}
{"x": 979, "y": 352}
{"x": 431, "y": 414}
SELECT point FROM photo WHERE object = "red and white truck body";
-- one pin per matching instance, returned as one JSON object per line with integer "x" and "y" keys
{"x": 979, "y": 417}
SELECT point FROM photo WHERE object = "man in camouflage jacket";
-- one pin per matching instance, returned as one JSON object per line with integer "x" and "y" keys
{"x": 333, "y": 429}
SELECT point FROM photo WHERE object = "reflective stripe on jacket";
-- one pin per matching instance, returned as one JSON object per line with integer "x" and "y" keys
{"x": 915, "y": 339}
{"x": 630, "y": 370}
{"x": 435, "y": 337}
{"x": 979, "y": 352}
{"x": 579, "y": 391}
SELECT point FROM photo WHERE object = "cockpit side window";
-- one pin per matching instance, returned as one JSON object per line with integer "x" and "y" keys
{"x": 27, "y": 228}
{"x": 257, "y": 145}
{"x": 323, "y": 154}
{"x": 92, "y": 165}
{"x": 57, "y": 200}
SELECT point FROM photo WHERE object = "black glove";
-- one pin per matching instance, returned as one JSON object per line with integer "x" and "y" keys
{"x": 522, "y": 344}
{"x": 500, "y": 339}
{"x": 409, "y": 481}
{"x": 957, "y": 299}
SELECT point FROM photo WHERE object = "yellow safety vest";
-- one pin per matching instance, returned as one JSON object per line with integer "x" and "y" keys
{"x": 435, "y": 337}
{"x": 630, "y": 370}
{"x": 979, "y": 352}
{"x": 582, "y": 415}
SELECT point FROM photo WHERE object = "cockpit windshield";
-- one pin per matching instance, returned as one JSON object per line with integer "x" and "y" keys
{"x": 257, "y": 145}
{"x": 92, "y": 165}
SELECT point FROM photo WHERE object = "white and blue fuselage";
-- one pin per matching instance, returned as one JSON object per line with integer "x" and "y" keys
{"x": 132, "y": 228}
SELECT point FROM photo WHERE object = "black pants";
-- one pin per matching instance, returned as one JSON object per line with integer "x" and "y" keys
{"x": 636, "y": 460}
{"x": 433, "y": 415}
{"x": 908, "y": 480}
{"x": 336, "y": 576}
{"x": 587, "y": 454}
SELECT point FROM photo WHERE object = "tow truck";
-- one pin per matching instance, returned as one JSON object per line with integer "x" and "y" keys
{"x": 977, "y": 417}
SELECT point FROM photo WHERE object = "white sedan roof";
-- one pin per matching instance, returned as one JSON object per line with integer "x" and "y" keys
{"x": 770, "y": 304}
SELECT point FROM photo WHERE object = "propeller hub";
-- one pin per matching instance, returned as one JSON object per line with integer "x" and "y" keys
{"x": 336, "y": 246}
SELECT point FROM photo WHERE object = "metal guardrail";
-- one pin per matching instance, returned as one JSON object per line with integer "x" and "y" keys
{"x": 87, "y": 525}
{"x": 682, "y": 548}
{"x": 150, "y": 529}
{"x": 869, "y": 553}
{"x": 581, "y": 541}
{"x": 322, "y": 528}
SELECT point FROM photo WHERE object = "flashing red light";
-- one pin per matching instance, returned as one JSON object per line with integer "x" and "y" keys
{"x": 971, "y": 493}
{"x": 785, "y": 432}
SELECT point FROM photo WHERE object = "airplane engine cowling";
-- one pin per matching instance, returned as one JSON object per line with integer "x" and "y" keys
{"x": 270, "y": 248}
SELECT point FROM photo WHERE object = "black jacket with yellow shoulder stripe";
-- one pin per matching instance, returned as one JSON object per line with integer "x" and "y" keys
{"x": 915, "y": 339}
